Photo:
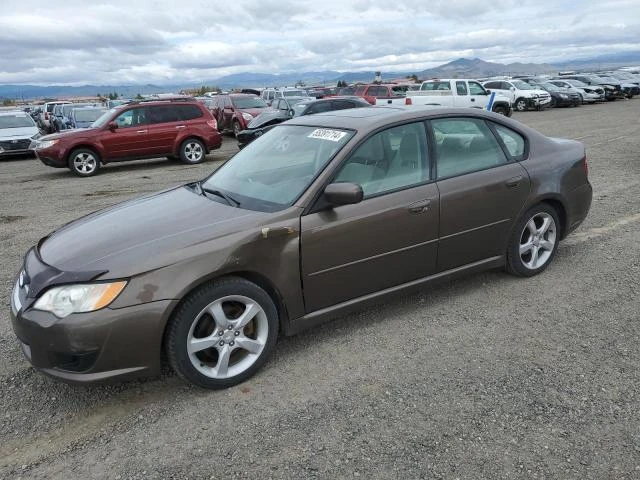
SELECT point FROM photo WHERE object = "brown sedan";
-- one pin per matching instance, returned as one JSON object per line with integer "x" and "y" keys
{"x": 320, "y": 215}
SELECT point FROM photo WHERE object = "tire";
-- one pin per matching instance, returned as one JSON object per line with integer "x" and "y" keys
{"x": 228, "y": 346}
{"x": 236, "y": 128}
{"x": 84, "y": 162}
{"x": 552, "y": 103}
{"x": 581, "y": 99}
{"x": 500, "y": 110}
{"x": 538, "y": 230}
{"x": 192, "y": 151}
{"x": 520, "y": 104}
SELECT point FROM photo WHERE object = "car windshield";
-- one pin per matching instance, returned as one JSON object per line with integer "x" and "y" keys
{"x": 249, "y": 102}
{"x": 271, "y": 172}
{"x": 16, "y": 121}
{"x": 88, "y": 115}
{"x": 103, "y": 119}
{"x": 551, "y": 87}
{"x": 299, "y": 107}
{"x": 576, "y": 83}
{"x": 294, "y": 93}
{"x": 519, "y": 84}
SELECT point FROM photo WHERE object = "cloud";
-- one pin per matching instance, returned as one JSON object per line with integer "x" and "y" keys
{"x": 155, "y": 41}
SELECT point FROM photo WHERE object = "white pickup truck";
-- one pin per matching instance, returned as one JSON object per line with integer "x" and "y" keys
{"x": 458, "y": 92}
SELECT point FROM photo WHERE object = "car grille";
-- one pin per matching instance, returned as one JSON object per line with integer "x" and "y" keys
{"x": 22, "y": 144}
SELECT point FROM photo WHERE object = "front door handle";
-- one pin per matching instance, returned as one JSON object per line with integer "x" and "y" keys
{"x": 181, "y": 126}
{"x": 420, "y": 207}
{"x": 141, "y": 131}
{"x": 473, "y": 99}
{"x": 513, "y": 181}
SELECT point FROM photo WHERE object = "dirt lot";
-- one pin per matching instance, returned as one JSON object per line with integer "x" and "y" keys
{"x": 489, "y": 377}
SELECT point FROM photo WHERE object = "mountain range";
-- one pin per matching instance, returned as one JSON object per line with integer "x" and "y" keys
{"x": 460, "y": 68}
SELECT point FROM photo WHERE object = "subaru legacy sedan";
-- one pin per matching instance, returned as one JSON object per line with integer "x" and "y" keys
{"x": 322, "y": 214}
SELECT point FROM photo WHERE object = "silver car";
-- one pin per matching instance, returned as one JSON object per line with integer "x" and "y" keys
{"x": 588, "y": 93}
{"x": 17, "y": 133}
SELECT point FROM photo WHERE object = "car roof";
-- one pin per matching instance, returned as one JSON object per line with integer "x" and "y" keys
{"x": 13, "y": 113}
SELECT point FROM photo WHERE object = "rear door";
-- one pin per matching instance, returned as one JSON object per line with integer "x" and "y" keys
{"x": 482, "y": 188}
{"x": 389, "y": 238}
{"x": 130, "y": 139}
{"x": 164, "y": 126}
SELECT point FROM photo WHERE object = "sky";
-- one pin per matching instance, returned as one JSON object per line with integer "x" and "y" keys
{"x": 75, "y": 42}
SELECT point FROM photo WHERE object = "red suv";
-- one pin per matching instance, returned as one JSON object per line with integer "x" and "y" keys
{"x": 236, "y": 110}
{"x": 176, "y": 128}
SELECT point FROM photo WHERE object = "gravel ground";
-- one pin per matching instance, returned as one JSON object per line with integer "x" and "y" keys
{"x": 488, "y": 377}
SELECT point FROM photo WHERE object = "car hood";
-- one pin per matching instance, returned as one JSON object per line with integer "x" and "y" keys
{"x": 254, "y": 112}
{"x": 22, "y": 132}
{"x": 143, "y": 234}
{"x": 66, "y": 134}
{"x": 267, "y": 117}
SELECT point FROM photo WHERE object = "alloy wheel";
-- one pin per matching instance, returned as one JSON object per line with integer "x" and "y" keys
{"x": 193, "y": 152}
{"x": 537, "y": 240}
{"x": 227, "y": 337}
{"x": 85, "y": 163}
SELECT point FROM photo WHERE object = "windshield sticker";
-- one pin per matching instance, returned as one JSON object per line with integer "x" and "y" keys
{"x": 325, "y": 134}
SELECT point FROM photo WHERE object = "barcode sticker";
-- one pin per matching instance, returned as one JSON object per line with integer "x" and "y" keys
{"x": 325, "y": 134}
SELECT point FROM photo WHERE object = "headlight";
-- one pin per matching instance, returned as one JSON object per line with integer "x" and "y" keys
{"x": 65, "y": 300}
{"x": 36, "y": 136}
{"x": 247, "y": 116}
{"x": 562, "y": 95}
{"x": 534, "y": 95}
{"x": 46, "y": 144}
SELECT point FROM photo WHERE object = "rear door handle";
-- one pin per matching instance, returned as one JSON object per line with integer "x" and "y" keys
{"x": 513, "y": 181}
{"x": 141, "y": 131}
{"x": 181, "y": 126}
{"x": 473, "y": 99}
{"x": 419, "y": 207}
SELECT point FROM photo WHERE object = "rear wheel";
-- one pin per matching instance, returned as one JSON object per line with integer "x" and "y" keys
{"x": 192, "y": 151}
{"x": 236, "y": 128}
{"x": 534, "y": 241}
{"x": 84, "y": 162}
{"x": 222, "y": 333}
{"x": 500, "y": 110}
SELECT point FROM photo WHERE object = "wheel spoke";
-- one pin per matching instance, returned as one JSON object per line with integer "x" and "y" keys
{"x": 199, "y": 344}
{"x": 546, "y": 245}
{"x": 534, "y": 257}
{"x": 525, "y": 248}
{"x": 222, "y": 367}
{"x": 251, "y": 310}
{"x": 216, "y": 311}
{"x": 531, "y": 225}
{"x": 248, "y": 344}
{"x": 546, "y": 223}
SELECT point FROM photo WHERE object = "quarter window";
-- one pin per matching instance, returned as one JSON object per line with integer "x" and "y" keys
{"x": 465, "y": 145}
{"x": 514, "y": 142}
{"x": 389, "y": 160}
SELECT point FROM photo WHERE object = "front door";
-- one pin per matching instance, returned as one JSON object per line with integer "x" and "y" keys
{"x": 389, "y": 238}
{"x": 482, "y": 190}
{"x": 129, "y": 139}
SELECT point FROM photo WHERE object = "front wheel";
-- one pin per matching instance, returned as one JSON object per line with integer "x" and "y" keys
{"x": 192, "y": 151}
{"x": 236, "y": 128}
{"x": 222, "y": 333}
{"x": 534, "y": 241}
{"x": 84, "y": 162}
{"x": 500, "y": 110}
{"x": 520, "y": 104}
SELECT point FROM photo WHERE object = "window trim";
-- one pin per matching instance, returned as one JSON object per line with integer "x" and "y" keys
{"x": 316, "y": 204}
{"x": 525, "y": 152}
{"x": 508, "y": 157}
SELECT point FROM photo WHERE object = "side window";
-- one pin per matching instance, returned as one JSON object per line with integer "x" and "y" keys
{"x": 360, "y": 91}
{"x": 188, "y": 112}
{"x": 163, "y": 114}
{"x": 476, "y": 89}
{"x": 132, "y": 118}
{"x": 343, "y": 104}
{"x": 389, "y": 160}
{"x": 514, "y": 142}
{"x": 461, "y": 88}
{"x": 493, "y": 85}
{"x": 319, "y": 107}
{"x": 465, "y": 145}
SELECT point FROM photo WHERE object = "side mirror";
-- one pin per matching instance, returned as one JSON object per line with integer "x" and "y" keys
{"x": 343, "y": 193}
{"x": 112, "y": 126}
{"x": 487, "y": 90}
{"x": 513, "y": 89}
{"x": 291, "y": 112}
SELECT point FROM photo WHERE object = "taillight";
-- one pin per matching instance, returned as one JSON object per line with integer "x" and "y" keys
{"x": 407, "y": 101}
{"x": 213, "y": 124}
{"x": 585, "y": 166}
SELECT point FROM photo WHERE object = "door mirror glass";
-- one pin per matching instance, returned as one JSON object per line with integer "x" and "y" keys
{"x": 343, "y": 193}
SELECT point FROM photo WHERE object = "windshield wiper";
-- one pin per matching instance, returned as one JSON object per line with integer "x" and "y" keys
{"x": 228, "y": 198}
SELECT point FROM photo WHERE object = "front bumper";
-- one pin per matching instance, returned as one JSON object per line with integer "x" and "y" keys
{"x": 53, "y": 156}
{"x": 109, "y": 344}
